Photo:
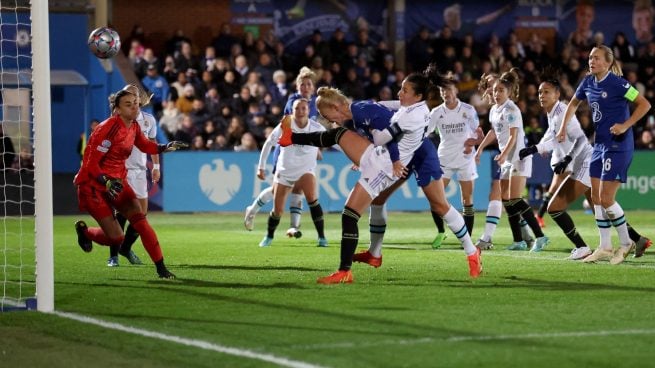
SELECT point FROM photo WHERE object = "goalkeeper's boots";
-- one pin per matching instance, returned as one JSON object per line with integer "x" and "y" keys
{"x": 600, "y": 254}
{"x": 621, "y": 253}
{"x": 367, "y": 257}
{"x": 132, "y": 258}
{"x": 112, "y": 261}
{"x": 475, "y": 263}
{"x": 266, "y": 242}
{"x": 322, "y": 242}
{"x": 285, "y": 125}
{"x": 438, "y": 240}
{"x": 163, "y": 272}
{"x": 82, "y": 240}
{"x": 642, "y": 244}
{"x": 294, "y": 232}
{"x": 339, "y": 277}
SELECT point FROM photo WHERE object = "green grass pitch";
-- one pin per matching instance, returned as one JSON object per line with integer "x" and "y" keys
{"x": 420, "y": 309}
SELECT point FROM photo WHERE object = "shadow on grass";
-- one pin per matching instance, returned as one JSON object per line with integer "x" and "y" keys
{"x": 243, "y": 268}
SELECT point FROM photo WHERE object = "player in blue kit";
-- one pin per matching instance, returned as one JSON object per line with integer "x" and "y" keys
{"x": 608, "y": 95}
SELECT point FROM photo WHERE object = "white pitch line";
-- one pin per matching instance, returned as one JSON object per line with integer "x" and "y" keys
{"x": 428, "y": 340}
{"x": 284, "y": 362}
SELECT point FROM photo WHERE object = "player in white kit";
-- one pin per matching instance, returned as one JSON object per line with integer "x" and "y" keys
{"x": 137, "y": 178}
{"x": 507, "y": 123}
{"x": 456, "y": 122}
{"x": 295, "y": 167}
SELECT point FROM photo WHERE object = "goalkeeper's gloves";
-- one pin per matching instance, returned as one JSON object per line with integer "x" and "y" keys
{"x": 114, "y": 186}
{"x": 527, "y": 151}
{"x": 560, "y": 167}
{"x": 172, "y": 146}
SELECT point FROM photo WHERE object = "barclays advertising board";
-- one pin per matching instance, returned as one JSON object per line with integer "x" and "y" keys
{"x": 227, "y": 181}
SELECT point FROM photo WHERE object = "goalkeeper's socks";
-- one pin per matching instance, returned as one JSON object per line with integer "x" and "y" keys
{"x": 113, "y": 250}
{"x": 319, "y": 139}
{"x": 148, "y": 236}
{"x": 349, "y": 237}
{"x": 96, "y": 234}
{"x": 273, "y": 222}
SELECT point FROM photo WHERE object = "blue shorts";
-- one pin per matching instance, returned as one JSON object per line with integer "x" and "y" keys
{"x": 495, "y": 169}
{"x": 425, "y": 164}
{"x": 610, "y": 165}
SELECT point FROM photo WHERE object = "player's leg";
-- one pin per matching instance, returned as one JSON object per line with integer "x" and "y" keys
{"x": 438, "y": 221}
{"x": 466, "y": 185}
{"x": 307, "y": 184}
{"x": 260, "y": 201}
{"x": 281, "y": 189}
{"x": 494, "y": 210}
{"x": 377, "y": 222}
{"x": 555, "y": 184}
{"x": 567, "y": 193}
{"x": 295, "y": 210}
{"x": 98, "y": 206}
{"x": 128, "y": 205}
{"x": 138, "y": 181}
{"x": 436, "y": 194}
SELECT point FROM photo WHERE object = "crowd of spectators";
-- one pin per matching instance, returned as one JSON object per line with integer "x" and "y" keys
{"x": 228, "y": 95}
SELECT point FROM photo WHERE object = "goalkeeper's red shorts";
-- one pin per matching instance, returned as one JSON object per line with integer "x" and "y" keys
{"x": 97, "y": 203}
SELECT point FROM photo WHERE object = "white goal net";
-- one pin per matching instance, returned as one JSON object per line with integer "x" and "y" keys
{"x": 25, "y": 257}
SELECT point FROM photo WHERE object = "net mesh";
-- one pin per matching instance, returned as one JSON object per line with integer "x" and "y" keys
{"x": 17, "y": 250}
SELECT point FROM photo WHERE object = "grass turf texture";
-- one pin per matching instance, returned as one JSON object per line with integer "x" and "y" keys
{"x": 419, "y": 309}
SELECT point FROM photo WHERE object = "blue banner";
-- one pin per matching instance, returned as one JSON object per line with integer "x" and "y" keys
{"x": 226, "y": 181}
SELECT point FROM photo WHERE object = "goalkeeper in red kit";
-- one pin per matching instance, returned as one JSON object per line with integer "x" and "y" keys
{"x": 99, "y": 182}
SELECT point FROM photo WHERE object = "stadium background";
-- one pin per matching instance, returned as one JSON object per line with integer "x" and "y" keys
{"x": 220, "y": 181}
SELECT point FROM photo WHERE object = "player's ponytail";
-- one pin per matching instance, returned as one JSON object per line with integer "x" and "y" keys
{"x": 511, "y": 80}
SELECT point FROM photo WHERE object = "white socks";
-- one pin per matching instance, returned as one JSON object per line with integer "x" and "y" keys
{"x": 455, "y": 222}
{"x": 493, "y": 216}
{"x": 617, "y": 218}
{"x": 604, "y": 227}
{"x": 295, "y": 209}
{"x": 377, "y": 221}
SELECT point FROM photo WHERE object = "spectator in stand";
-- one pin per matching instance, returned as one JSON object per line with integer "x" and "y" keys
{"x": 174, "y": 44}
{"x": 582, "y": 37}
{"x": 229, "y": 86}
{"x": 208, "y": 61}
{"x": 224, "y": 118}
{"x": 170, "y": 71}
{"x": 321, "y": 47}
{"x": 241, "y": 66}
{"x": 282, "y": 59}
{"x": 158, "y": 87}
{"x": 242, "y": 102}
{"x": 185, "y": 102}
{"x": 646, "y": 140}
{"x": 253, "y": 82}
{"x": 247, "y": 144}
{"x": 170, "y": 119}
{"x": 374, "y": 86}
{"x": 186, "y": 131}
{"x": 419, "y": 50}
{"x": 643, "y": 15}
{"x": 338, "y": 46}
{"x": 209, "y": 133}
{"x": 623, "y": 49}
{"x": 224, "y": 41}
{"x": 234, "y": 131}
{"x": 6, "y": 150}
{"x": 352, "y": 87}
{"x": 221, "y": 66}
{"x": 199, "y": 113}
{"x": 265, "y": 69}
{"x": 198, "y": 143}
{"x": 213, "y": 102}
{"x": 280, "y": 88}
{"x": 180, "y": 82}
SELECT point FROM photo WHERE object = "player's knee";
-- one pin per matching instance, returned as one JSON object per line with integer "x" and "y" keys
{"x": 136, "y": 218}
{"x": 606, "y": 202}
{"x": 116, "y": 240}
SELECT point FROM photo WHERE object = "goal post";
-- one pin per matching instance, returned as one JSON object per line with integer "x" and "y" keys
{"x": 43, "y": 224}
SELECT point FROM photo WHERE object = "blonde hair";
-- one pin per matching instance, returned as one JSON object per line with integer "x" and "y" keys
{"x": 143, "y": 96}
{"x": 328, "y": 96}
{"x": 615, "y": 66}
{"x": 511, "y": 80}
{"x": 305, "y": 73}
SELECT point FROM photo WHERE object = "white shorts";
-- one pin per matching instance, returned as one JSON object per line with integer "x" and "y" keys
{"x": 466, "y": 172}
{"x": 376, "y": 170}
{"x": 580, "y": 168}
{"x": 516, "y": 168}
{"x": 289, "y": 180}
{"x": 138, "y": 180}
{"x": 555, "y": 158}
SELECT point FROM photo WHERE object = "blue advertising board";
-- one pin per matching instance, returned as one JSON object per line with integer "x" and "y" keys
{"x": 226, "y": 181}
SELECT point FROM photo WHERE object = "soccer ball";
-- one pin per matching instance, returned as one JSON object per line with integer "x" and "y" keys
{"x": 104, "y": 42}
